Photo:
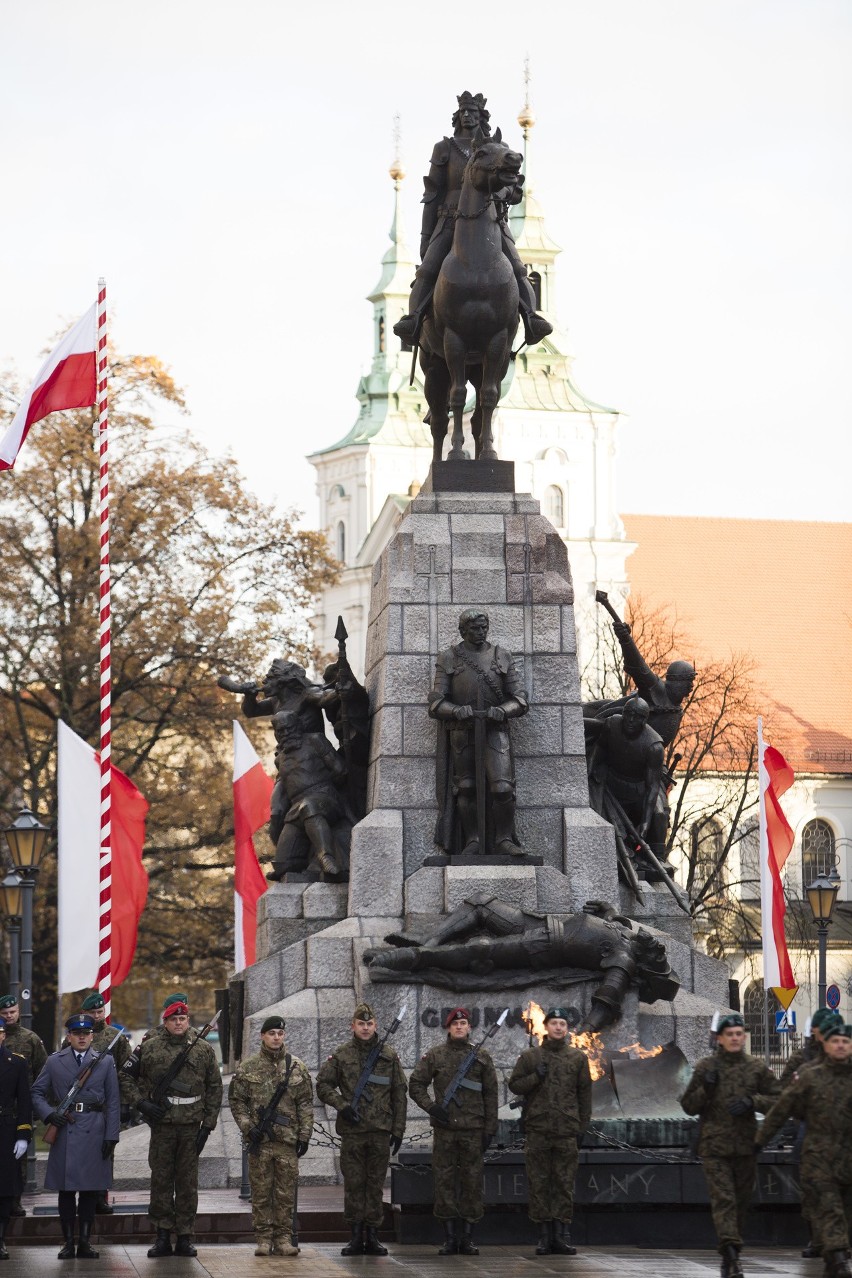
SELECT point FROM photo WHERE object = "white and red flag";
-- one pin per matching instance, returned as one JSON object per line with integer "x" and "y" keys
{"x": 775, "y": 776}
{"x": 252, "y": 796}
{"x": 78, "y": 885}
{"x": 66, "y": 379}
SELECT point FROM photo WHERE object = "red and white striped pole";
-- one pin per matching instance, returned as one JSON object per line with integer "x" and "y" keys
{"x": 105, "y": 911}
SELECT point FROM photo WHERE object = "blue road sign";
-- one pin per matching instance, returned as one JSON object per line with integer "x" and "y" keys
{"x": 785, "y": 1022}
{"x": 832, "y": 997}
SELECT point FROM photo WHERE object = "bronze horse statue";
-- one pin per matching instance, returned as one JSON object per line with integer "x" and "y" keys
{"x": 468, "y": 335}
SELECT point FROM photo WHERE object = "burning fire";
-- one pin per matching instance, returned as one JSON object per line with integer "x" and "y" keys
{"x": 590, "y": 1043}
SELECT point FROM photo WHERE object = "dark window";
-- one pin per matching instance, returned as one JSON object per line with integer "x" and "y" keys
{"x": 554, "y": 505}
{"x": 535, "y": 280}
{"x": 381, "y": 335}
{"x": 341, "y": 541}
{"x": 749, "y": 846}
{"x": 754, "y": 1016}
{"x": 707, "y": 844}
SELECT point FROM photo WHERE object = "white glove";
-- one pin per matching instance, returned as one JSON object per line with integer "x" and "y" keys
{"x": 21, "y": 1147}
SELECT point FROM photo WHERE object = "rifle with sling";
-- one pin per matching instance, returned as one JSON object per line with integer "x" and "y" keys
{"x": 459, "y": 1079}
{"x": 160, "y": 1091}
{"x": 266, "y": 1117}
{"x": 366, "y": 1073}
{"x": 70, "y": 1098}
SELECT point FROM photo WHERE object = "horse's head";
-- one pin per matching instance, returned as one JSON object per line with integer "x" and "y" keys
{"x": 493, "y": 166}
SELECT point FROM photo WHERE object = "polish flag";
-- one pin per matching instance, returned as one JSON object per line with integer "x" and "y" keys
{"x": 776, "y": 840}
{"x": 252, "y": 796}
{"x": 78, "y": 888}
{"x": 66, "y": 379}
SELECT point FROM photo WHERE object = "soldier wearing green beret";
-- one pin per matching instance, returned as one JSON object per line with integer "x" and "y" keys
{"x": 821, "y": 1096}
{"x": 22, "y": 1042}
{"x": 812, "y": 1054}
{"x": 273, "y": 1168}
{"x": 370, "y": 1135}
{"x": 556, "y": 1087}
{"x": 179, "y": 1126}
{"x": 725, "y": 1090}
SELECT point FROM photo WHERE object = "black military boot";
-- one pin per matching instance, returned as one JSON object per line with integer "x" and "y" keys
{"x": 451, "y": 1240}
{"x": 545, "y": 1235}
{"x": 731, "y": 1262}
{"x": 68, "y": 1252}
{"x": 4, "y": 1254}
{"x": 103, "y": 1206}
{"x": 85, "y": 1250}
{"x": 184, "y": 1247}
{"x": 837, "y": 1264}
{"x": 466, "y": 1247}
{"x": 18, "y": 1209}
{"x": 372, "y": 1246}
{"x": 812, "y": 1252}
{"x": 162, "y": 1245}
{"x": 355, "y": 1246}
{"x": 561, "y": 1244}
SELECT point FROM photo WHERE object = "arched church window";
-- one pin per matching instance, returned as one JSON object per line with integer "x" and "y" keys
{"x": 337, "y": 491}
{"x": 535, "y": 280}
{"x": 755, "y": 1016}
{"x": 707, "y": 842}
{"x": 554, "y": 505}
{"x": 818, "y": 852}
{"x": 341, "y": 541}
{"x": 748, "y": 841}
{"x": 381, "y": 334}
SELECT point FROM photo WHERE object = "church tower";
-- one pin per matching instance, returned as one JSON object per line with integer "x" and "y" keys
{"x": 563, "y": 444}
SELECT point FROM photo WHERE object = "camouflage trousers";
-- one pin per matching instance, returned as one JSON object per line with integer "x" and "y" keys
{"x": 364, "y": 1161}
{"x": 457, "y": 1173}
{"x": 830, "y": 1202}
{"x": 730, "y": 1182}
{"x": 174, "y": 1176}
{"x": 273, "y": 1176}
{"x": 551, "y": 1171}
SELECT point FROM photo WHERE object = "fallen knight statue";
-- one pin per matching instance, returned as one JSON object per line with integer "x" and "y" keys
{"x": 487, "y": 944}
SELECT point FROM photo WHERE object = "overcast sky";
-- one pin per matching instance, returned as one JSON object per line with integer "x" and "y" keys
{"x": 224, "y": 165}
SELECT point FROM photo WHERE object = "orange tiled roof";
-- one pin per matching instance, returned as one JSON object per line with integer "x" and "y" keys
{"x": 777, "y": 590}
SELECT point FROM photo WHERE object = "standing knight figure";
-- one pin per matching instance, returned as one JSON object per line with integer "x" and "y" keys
{"x": 442, "y": 188}
{"x": 477, "y": 691}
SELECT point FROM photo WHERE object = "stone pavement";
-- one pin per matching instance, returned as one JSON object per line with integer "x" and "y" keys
{"x": 325, "y": 1261}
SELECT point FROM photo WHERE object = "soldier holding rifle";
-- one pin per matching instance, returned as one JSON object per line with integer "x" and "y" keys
{"x": 271, "y": 1098}
{"x": 463, "y": 1114}
{"x": 181, "y": 1093}
{"x": 77, "y": 1094}
{"x": 16, "y": 1128}
{"x": 364, "y": 1082}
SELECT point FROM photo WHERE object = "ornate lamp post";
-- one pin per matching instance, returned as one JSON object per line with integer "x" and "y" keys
{"x": 822, "y": 895}
{"x": 26, "y": 838}
{"x": 11, "y": 894}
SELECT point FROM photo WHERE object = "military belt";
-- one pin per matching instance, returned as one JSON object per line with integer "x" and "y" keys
{"x": 471, "y": 1086}
{"x": 379, "y": 1078}
{"x": 183, "y": 1100}
{"x": 86, "y": 1107}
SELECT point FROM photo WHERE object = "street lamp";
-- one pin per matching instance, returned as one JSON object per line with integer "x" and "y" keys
{"x": 822, "y": 895}
{"x": 26, "y": 838}
{"x": 11, "y": 894}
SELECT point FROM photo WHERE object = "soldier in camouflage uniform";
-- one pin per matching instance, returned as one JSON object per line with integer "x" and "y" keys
{"x": 460, "y": 1136}
{"x": 179, "y": 1126}
{"x": 822, "y": 1097}
{"x": 370, "y": 1135}
{"x": 807, "y": 1057}
{"x": 725, "y": 1090}
{"x": 274, "y": 1169}
{"x": 22, "y": 1042}
{"x": 556, "y": 1085}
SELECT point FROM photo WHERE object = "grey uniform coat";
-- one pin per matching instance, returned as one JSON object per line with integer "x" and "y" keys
{"x": 75, "y": 1160}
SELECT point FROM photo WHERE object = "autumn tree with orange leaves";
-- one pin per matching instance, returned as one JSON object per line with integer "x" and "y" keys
{"x": 206, "y": 579}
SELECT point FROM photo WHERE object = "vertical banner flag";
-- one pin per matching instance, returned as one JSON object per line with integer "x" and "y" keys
{"x": 79, "y": 869}
{"x": 66, "y": 379}
{"x": 775, "y": 777}
{"x": 252, "y": 797}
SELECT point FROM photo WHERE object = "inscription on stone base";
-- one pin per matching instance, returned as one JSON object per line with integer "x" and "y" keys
{"x": 492, "y": 858}
{"x": 470, "y": 477}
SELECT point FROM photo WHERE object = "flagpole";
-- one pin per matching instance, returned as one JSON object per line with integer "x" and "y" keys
{"x": 105, "y": 908}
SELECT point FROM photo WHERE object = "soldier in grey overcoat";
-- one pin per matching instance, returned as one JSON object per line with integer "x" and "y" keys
{"x": 79, "y": 1162}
